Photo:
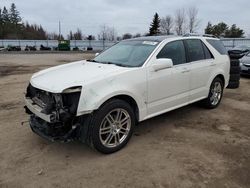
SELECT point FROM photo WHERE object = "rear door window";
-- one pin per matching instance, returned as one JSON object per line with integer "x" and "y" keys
{"x": 175, "y": 51}
{"x": 195, "y": 50}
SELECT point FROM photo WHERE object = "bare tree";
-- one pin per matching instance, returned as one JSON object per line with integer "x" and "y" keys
{"x": 54, "y": 36}
{"x": 107, "y": 33}
{"x": 180, "y": 21}
{"x": 78, "y": 35}
{"x": 166, "y": 25}
{"x": 70, "y": 36}
{"x": 103, "y": 33}
{"x": 112, "y": 33}
{"x": 193, "y": 21}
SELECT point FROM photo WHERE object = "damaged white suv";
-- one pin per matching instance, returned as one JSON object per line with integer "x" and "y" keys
{"x": 99, "y": 101}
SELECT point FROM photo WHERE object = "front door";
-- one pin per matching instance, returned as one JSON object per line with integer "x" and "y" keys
{"x": 169, "y": 88}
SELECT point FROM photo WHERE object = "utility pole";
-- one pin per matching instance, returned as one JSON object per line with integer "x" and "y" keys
{"x": 59, "y": 30}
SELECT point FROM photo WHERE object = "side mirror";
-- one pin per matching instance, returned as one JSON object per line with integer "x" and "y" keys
{"x": 161, "y": 64}
{"x": 97, "y": 54}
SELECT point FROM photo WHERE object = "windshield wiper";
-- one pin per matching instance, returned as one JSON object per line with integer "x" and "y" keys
{"x": 117, "y": 64}
{"x": 92, "y": 60}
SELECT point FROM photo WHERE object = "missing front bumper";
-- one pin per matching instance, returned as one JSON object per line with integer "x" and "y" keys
{"x": 37, "y": 110}
{"x": 53, "y": 132}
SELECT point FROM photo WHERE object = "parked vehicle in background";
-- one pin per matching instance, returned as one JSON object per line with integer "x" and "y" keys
{"x": 30, "y": 48}
{"x": 242, "y": 48}
{"x": 2, "y": 48}
{"x": 44, "y": 48}
{"x": 14, "y": 48}
{"x": 245, "y": 64}
{"x": 99, "y": 101}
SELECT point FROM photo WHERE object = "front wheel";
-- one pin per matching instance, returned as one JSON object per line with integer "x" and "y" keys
{"x": 112, "y": 126}
{"x": 215, "y": 94}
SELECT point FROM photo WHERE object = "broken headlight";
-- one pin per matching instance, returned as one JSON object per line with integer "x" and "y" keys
{"x": 73, "y": 90}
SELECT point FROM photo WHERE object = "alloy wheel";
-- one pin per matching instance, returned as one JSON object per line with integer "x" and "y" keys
{"x": 115, "y": 128}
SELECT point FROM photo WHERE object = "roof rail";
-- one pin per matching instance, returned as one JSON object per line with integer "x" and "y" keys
{"x": 209, "y": 35}
{"x": 198, "y": 35}
{"x": 191, "y": 35}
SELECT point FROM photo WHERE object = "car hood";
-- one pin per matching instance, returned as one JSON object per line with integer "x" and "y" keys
{"x": 59, "y": 78}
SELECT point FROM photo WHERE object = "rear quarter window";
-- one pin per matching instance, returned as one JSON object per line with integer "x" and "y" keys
{"x": 218, "y": 45}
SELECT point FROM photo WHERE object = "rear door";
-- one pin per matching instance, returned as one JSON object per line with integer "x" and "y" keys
{"x": 202, "y": 61}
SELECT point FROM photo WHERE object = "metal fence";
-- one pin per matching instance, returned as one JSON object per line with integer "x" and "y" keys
{"x": 230, "y": 43}
{"x": 81, "y": 44}
{"x": 101, "y": 45}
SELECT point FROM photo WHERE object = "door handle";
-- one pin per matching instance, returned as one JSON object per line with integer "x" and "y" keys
{"x": 212, "y": 65}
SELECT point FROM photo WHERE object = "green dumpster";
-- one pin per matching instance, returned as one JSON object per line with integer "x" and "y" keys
{"x": 64, "y": 45}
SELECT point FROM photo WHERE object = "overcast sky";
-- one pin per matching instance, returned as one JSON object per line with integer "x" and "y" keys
{"x": 132, "y": 16}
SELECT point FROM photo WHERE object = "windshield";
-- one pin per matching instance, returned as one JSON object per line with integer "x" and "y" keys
{"x": 127, "y": 53}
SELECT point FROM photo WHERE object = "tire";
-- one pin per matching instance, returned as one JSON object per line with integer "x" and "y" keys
{"x": 106, "y": 142}
{"x": 233, "y": 85}
{"x": 208, "y": 102}
{"x": 234, "y": 77}
{"x": 235, "y": 63}
{"x": 235, "y": 70}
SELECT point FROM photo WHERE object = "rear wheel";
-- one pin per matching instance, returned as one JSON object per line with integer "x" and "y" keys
{"x": 215, "y": 94}
{"x": 111, "y": 126}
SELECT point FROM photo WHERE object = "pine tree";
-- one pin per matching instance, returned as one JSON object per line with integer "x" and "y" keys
{"x": 1, "y": 17}
{"x": 14, "y": 15}
{"x": 1, "y": 24}
{"x": 5, "y": 15}
{"x": 5, "y": 22}
{"x": 155, "y": 25}
{"x": 234, "y": 32}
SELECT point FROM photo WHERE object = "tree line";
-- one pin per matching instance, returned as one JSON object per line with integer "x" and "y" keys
{"x": 185, "y": 20}
{"x": 12, "y": 27}
{"x": 223, "y": 30}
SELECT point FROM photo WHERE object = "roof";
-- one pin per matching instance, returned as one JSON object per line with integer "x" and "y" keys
{"x": 153, "y": 38}
{"x": 163, "y": 37}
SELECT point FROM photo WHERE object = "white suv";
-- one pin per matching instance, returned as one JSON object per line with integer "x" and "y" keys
{"x": 99, "y": 101}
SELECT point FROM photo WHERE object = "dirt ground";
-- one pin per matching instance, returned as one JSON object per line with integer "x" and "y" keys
{"x": 189, "y": 147}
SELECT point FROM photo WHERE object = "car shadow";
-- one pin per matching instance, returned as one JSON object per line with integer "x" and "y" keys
{"x": 152, "y": 125}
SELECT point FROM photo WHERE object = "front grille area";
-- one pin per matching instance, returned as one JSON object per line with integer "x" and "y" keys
{"x": 41, "y": 98}
{"x": 39, "y": 102}
{"x": 64, "y": 104}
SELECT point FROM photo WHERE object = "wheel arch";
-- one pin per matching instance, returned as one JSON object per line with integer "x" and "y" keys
{"x": 222, "y": 78}
{"x": 218, "y": 74}
{"x": 130, "y": 100}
